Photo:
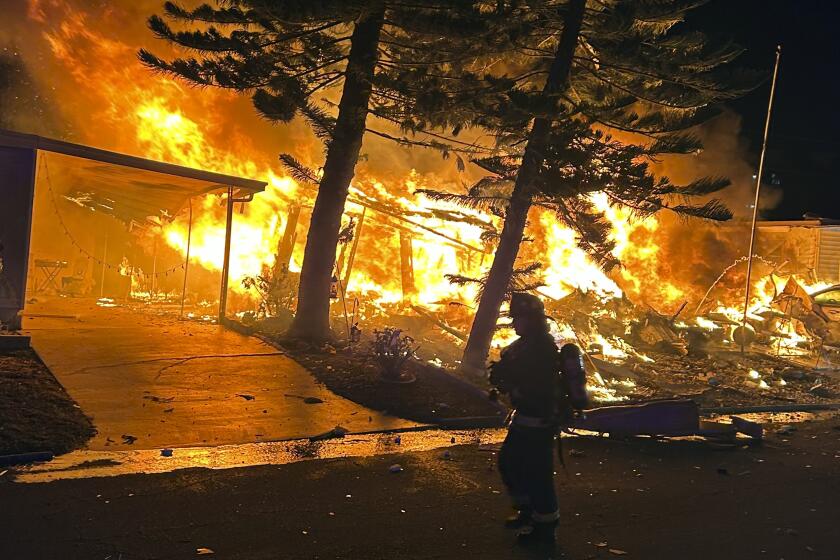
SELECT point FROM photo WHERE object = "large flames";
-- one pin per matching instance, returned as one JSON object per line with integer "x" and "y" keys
{"x": 120, "y": 105}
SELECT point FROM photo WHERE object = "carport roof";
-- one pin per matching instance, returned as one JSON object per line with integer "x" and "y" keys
{"x": 128, "y": 187}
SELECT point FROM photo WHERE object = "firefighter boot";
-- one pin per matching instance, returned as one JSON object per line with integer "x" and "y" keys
{"x": 538, "y": 535}
{"x": 521, "y": 519}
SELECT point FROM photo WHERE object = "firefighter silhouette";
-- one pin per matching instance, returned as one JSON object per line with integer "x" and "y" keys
{"x": 529, "y": 372}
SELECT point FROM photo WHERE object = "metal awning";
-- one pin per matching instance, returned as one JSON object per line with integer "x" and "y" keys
{"x": 128, "y": 187}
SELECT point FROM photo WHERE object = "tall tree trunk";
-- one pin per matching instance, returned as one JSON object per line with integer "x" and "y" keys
{"x": 312, "y": 319}
{"x": 484, "y": 323}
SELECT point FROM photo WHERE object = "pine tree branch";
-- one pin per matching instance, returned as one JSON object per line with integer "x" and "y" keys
{"x": 319, "y": 67}
{"x": 324, "y": 83}
{"x": 637, "y": 94}
{"x": 298, "y": 170}
{"x": 482, "y": 203}
{"x": 478, "y": 148}
{"x": 405, "y": 141}
{"x": 636, "y": 71}
{"x": 713, "y": 210}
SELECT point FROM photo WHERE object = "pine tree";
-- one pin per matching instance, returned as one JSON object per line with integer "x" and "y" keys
{"x": 286, "y": 54}
{"x": 574, "y": 73}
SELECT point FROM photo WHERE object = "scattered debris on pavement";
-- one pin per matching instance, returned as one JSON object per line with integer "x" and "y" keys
{"x": 337, "y": 432}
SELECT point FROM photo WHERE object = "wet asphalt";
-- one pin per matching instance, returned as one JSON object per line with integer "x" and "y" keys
{"x": 631, "y": 499}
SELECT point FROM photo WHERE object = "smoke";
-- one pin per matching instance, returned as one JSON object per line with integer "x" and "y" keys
{"x": 692, "y": 253}
{"x": 726, "y": 154}
{"x": 25, "y": 103}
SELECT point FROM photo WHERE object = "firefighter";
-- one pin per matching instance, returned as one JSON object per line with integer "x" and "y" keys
{"x": 529, "y": 372}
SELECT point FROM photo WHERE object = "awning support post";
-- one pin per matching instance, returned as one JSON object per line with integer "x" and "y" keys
{"x": 104, "y": 259}
{"x": 154, "y": 268}
{"x": 186, "y": 262}
{"x": 226, "y": 265}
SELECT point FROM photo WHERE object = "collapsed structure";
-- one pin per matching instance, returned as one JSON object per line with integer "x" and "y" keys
{"x": 393, "y": 262}
{"x": 674, "y": 306}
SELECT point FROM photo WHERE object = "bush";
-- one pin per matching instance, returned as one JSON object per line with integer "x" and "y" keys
{"x": 276, "y": 291}
{"x": 392, "y": 350}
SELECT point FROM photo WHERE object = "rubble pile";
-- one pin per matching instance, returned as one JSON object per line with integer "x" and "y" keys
{"x": 635, "y": 353}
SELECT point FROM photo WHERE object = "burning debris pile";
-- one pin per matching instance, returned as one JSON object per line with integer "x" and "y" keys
{"x": 788, "y": 335}
{"x": 635, "y": 352}
{"x": 788, "y": 323}
{"x": 399, "y": 252}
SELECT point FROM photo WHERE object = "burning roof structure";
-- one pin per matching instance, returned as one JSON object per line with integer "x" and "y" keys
{"x": 133, "y": 190}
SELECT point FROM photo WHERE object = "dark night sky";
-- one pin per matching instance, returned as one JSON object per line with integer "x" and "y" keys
{"x": 804, "y": 144}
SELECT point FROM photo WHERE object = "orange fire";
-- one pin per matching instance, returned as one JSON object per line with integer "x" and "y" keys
{"x": 159, "y": 119}
{"x": 122, "y": 106}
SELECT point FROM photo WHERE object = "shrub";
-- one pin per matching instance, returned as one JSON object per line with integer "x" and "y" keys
{"x": 275, "y": 290}
{"x": 392, "y": 350}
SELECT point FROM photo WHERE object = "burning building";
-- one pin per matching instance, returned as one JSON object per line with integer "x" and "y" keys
{"x": 135, "y": 192}
{"x": 679, "y": 283}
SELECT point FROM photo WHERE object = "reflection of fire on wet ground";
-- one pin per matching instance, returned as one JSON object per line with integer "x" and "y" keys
{"x": 88, "y": 464}
{"x": 91, "y": 464}
{"x": 106, "y": 302}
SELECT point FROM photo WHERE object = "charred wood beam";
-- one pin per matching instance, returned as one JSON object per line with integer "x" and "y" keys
{"x": 407, "y": 266}
{"x": 286, "y": 246}
{"x": 388, "y": 212}
{"x": 431, "y": 316}
{"x": 383, "y": 209}
{"x": 680, "y": 310}
{"x": 356, "y": 235}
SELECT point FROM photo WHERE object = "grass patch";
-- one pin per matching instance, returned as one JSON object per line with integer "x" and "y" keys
{"x": 435, "y": 395}
{"x": 36, "y": 413}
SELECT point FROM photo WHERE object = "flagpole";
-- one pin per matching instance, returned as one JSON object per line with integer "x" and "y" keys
{"x": 757, "y": 194}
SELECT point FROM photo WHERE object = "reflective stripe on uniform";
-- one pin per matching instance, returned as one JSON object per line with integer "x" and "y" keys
{"x": 546, "y": 517}
{"x": 529, "y": 421}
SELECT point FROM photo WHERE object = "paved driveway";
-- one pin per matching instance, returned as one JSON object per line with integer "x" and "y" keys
{"x": 174, "y": 383}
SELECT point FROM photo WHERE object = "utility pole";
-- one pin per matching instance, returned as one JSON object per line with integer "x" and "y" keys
{"x": 757, "y": 194}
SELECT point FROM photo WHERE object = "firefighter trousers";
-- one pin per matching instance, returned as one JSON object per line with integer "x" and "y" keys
{"x": 526, "y": 463}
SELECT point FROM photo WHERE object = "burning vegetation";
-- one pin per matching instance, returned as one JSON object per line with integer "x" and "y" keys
{"x": 664, "y": 319}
